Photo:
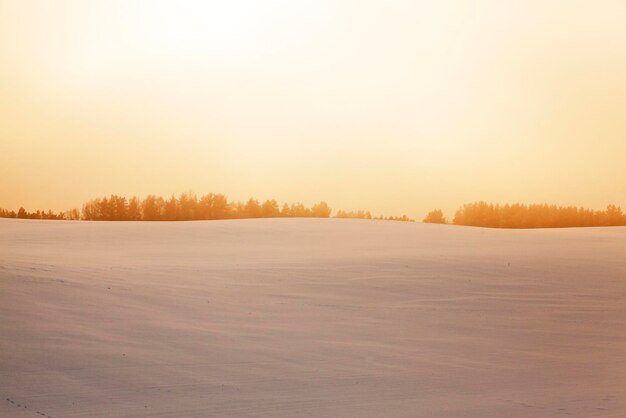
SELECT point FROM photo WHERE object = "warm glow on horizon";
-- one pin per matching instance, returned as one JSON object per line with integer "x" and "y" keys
{"x": 394, "y": 107}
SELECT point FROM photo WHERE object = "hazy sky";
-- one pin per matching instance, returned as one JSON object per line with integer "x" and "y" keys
{"x": 392, "y": 106}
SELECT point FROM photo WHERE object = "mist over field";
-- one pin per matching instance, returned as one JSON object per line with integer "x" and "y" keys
{"x": 310, "y": 317}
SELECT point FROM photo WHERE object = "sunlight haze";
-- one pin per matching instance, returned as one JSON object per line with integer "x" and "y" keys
{"x": 395, "y": 107}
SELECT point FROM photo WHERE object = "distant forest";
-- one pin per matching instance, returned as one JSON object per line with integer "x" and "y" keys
{"x": 188, "y": 207}
{"x": 530, "y": 216}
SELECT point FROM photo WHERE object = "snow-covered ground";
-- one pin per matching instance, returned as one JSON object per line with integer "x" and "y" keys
{"x": 310, "y": 318}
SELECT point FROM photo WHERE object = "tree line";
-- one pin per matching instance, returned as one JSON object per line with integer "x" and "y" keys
{"x": 187, "y": 207}
{"x": 23, "y": 214}
{"x": 367, "y": 215}
{"x": 530, "y": 216}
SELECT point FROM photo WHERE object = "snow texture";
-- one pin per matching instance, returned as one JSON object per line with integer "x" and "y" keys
{"x": 310, "y": 318}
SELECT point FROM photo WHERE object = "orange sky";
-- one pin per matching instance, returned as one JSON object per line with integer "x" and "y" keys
{"x": 392, "y": 106}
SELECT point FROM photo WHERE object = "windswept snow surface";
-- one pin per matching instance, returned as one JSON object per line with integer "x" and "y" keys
{"x": 310, "y": 318}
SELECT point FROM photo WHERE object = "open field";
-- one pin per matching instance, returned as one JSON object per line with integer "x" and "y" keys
{"x": 310, "y": 318}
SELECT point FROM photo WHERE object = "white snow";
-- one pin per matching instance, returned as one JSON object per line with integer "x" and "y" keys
{"x": 310, "y": 318}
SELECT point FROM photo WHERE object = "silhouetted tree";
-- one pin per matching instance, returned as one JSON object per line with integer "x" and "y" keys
{"x": 269, "y": 209}
{"x": 298, "y": 210}
{"x": 187, "y": 206}
{"x": 614, "y": 215}
{"x": 321, "y": 210}
{"x": 153, "y": 208}
{"x": 221, "y": 207}
{"x": 252, "y": 209}
{"x": 360, "y": 214}
{"x": 117, "y": 208}
{"x": 72, "y": 215}
{"x": 435, "y": 217}
{"x": 171, "y": 209}
{"x": 133, "y": 212}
